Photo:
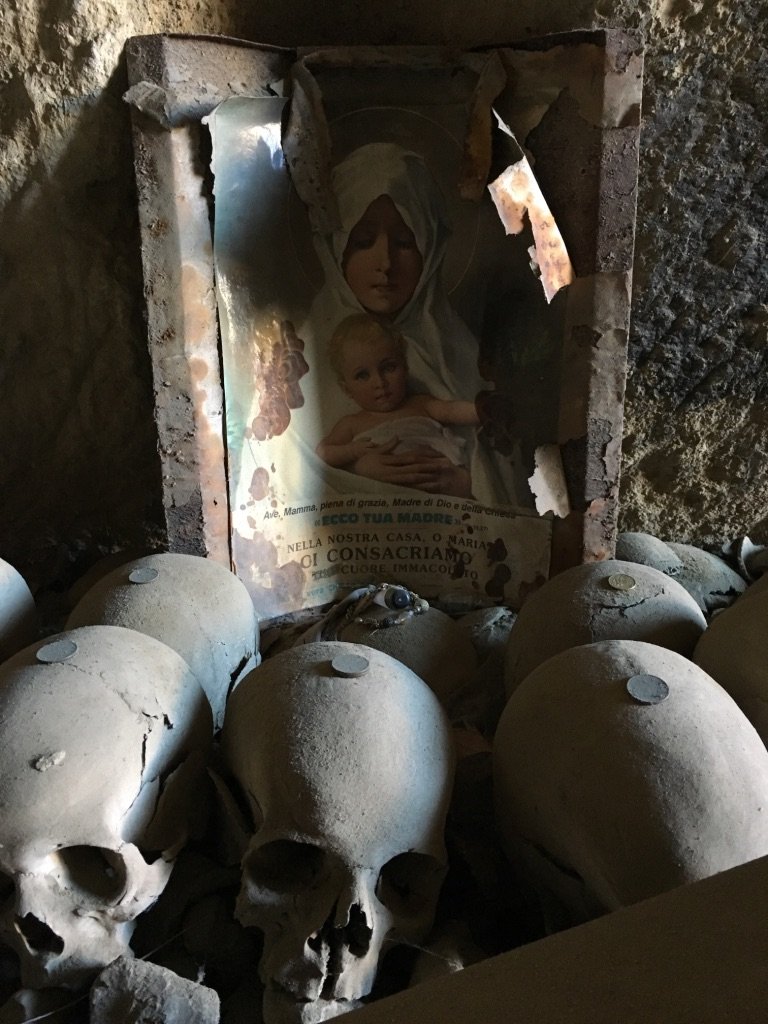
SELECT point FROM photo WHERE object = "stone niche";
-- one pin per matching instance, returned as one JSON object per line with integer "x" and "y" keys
{"x": 249, "y": 162}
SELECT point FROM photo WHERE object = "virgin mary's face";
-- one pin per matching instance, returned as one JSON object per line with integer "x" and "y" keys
{"x": 382, "y": 263}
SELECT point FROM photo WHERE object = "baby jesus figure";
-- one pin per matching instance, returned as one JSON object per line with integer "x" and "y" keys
{"x": 369, "y": 358}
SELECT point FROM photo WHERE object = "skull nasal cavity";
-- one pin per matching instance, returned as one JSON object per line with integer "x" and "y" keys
{"x": 355, "y": 935}
{"x": 358, "y": 934}
{"x": 38, "y": 936}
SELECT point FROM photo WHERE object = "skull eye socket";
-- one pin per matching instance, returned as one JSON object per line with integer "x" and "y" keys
{"x": 409, "y": 883}
{"x": 283, "y": 866}
{"x": 92, "y": 871}
{"x": 7, "y": 887}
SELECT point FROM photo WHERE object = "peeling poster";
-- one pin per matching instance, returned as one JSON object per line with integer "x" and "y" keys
{"x": 378, "y": 355}
{"x": 516, "y": 194}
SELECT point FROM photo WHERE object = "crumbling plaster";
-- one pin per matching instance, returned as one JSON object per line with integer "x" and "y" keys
{"x": 80, "y": 473}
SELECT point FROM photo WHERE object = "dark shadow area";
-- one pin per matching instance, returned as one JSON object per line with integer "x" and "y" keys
{"x": 80, "y": 472}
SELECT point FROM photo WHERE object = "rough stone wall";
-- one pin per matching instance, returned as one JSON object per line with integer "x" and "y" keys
{"x": 79, "y": 471}
{"x": 696, "y": 435}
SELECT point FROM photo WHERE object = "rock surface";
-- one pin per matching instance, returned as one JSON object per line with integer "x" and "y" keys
{"x": 137, "y": 992}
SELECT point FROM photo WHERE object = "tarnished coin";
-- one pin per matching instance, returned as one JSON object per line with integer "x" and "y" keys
{"x": 143, "y": 574}
{"x": 55, "y": 651}
{"x": 621, "y": 581}
{"x": 350, "y": 665}
{"x": 647, "y": 689}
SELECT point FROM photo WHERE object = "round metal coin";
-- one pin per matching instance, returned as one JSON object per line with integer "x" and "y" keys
{"x": 647, "y": 689}
{"x": 144, "y": 574}
{"x": 350, "y": 665}
{"x": 56, "y": 650}
{"x": 621, "y": 581}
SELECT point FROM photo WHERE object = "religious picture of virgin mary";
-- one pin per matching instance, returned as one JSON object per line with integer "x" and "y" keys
{"x": 389, "y": 395}
{"x": 404, "y": 362}
{"x": 352, "y": 389}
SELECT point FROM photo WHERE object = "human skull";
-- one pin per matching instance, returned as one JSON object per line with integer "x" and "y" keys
{"x": 622, "y": 770}
{"x": 710, "y": 581}
{"x": 345, "y": 760}
{"x": 103, "y": 741}
{"x": 395, "y": 620}
{"x": 432, "y": 645}
{"x": 196, "y": 606}
{"x": 609, "y": 600}
{"x": 18, "y": 615}
{"x": 646, "y": 549}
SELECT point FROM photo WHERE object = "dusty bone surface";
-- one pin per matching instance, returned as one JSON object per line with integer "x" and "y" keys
{"x": 432, "y": 645}
{"x": 197, "y": 607}
{"x": 649, "y": 791}
{"x": 449, "y": 950}
{"x": 104, "y": 736}
{"x": 18, "y": 615}
{"x": 710, "y": 581}
{"x": 344, "y": 761}
{"x": 610, "y": 600}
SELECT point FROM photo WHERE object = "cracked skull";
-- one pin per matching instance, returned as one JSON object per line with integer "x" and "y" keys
{"x": 103, "y": 739}
{"x": 345, "y": 760}
{"x": 608, "y": 600}
{"x": 197, "y": 607}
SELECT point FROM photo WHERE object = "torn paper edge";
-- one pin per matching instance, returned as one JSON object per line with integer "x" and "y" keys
{"x": 547, "y": 484}
{"x": 516, "y": 192}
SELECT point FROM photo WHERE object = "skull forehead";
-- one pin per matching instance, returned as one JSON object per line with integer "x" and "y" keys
{"x": 80, "y": 737}
{"x": 148, "y": 674}
{"x": 610, "y": 600}
{"x": 666, "y": 792}
{"x": 584, "y": 693}
{"x": 352, "y": 758}
{"x": 432, "y": 645}
{"x": 58, "y": 761}
{"x": 197, "y": 607}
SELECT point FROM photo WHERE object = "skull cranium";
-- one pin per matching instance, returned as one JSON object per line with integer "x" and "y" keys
{"x": 103, "y": 736}
{"x": 621, "y": 770}
{"x": 344, "y": 757}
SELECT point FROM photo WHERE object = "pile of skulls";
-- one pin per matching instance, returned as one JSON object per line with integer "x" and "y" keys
{"x": 628, "y": 759}
{"x": 189, "y": 835}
